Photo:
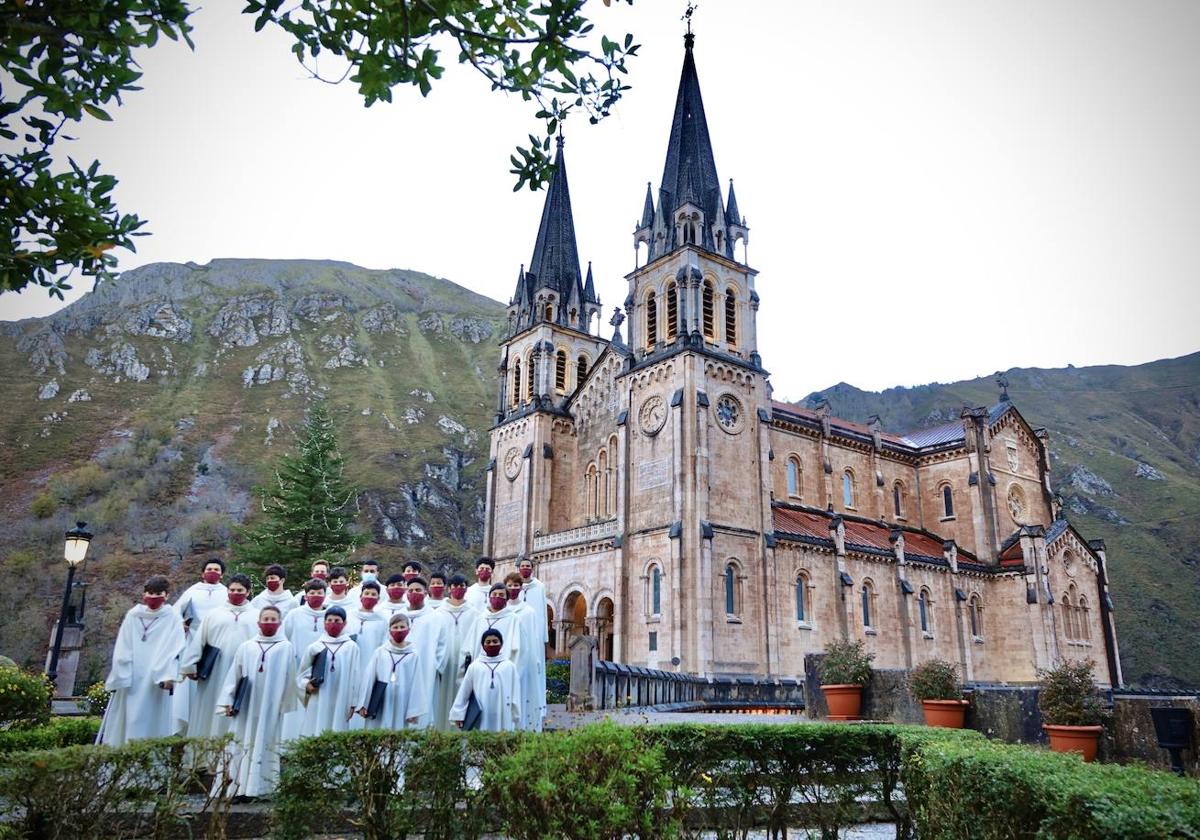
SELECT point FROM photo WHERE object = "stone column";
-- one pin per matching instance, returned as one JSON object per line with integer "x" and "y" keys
{"x": 896, "y": 537}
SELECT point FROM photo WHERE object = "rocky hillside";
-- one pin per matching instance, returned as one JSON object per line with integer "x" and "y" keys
{"x": 1125, "y": 453}
{"x": 152, "y": 407}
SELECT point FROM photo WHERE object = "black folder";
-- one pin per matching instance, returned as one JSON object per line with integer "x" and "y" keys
{"x": 207, "y": 661}
{"x": 189, "y": 614}
{"x": 473, "y": 715}
{"x": 240, "y": 693}
{"x": 375, "y": 704}
{"x": 319, "y": 667}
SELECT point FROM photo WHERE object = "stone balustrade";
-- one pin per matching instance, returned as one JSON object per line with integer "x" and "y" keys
{"x": 573, "y": 536}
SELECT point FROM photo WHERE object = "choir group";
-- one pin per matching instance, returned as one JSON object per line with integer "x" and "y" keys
{"x": 434, "y": 653}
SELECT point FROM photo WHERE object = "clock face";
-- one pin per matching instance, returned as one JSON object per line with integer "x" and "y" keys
{"x": 729, "y": 413}
{"x": 653, "y": 415}
{"x": 512, "y": 463}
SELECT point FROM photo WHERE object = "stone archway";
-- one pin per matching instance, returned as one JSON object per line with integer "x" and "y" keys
{"x": 551, "y": 631}
{"x": 604, "y": 628}
{"x": 574, "y": 620}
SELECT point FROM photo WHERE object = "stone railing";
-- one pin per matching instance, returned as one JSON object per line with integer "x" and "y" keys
{"x": 615, "y": 686}
{"x": 573, "y": 536}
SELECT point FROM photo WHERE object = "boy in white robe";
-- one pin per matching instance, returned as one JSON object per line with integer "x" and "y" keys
{"x": 225, "y": 628}
{"x": 477, "y": 595}
{"x": 430, "y": 637}
{"x": 412, "y": 570}
{"x": 496, "y": 617}
{"x": 437, "y": 590}
{"x": 366, "y": 624}
{"x": 534, "y": 595}
{"x": 493, "y": 680}
{"x": 369, "y": 574}
{"x": 269, "y": 664}
{"x": 303, "y": 626}
{"x": 275, "y": 593}
{"x": 397, "y": 600}
{"x": 460, "y": 619}
{"x": 330, "y": 706}
{"x": 396, "y": 663}
{"x": 318, "y": 571}
{"x": 145, "y": 666}
{"x": 339, "y": 590}
{"x": 531, "y": 663}
{"x": 197, "y": 601}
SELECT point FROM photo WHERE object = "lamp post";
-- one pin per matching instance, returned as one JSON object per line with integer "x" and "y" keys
{"x": 74, "y": 552}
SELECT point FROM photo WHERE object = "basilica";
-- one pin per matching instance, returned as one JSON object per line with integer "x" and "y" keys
{"x": 691, "y": 523}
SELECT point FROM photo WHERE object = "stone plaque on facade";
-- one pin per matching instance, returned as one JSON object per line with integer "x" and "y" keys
{"x": 652, "y": 474}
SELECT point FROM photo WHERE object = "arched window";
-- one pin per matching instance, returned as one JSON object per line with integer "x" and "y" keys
{"x": 612, "y": 469}
{"x": 560, "y": 371}
{"x": 898, "y": 499}
{"x": 793, "y": 476}
{"x": 651, "y": 320}
{"x": 1068, "y": 614}
{"x": 549, "y": 312}
{"x": 602, "y": 461}
{"x": 709, "y": 314}
{"x": 848, "y": 489}
{"x": 581, "y": 369}
{"x": 590, "y": 491}
{"x": 947, "y": 501}
{"x": 655, "y": 591}
{"x": 529, "y": 378}
{"x": 1085, "y": 631}
{"x": 730, "y": 590}
{"x": 868, "y": 604}
{"x": 731, "y": 316}
{"x": 515, "y": 397}
{"x": 802, "y": 598}
{"x": 923, "y": 610}
{"x": 574, "y": 316}
{"x": 975, "y": 614}
{"x": 672, "y": 312}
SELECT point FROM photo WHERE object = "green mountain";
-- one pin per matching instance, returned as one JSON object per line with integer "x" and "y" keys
{"x": 151, "y": 407}
{"x": 1125, "y": 456}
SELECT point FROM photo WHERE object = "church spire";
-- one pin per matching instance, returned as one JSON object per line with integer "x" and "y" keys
{"x": 648, "y": 209}
{"x": 731, "y": 209}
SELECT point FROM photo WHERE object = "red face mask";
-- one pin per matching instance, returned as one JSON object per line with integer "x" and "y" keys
{"x": 398, "y": 636}
{"x": 368, "y": 602}
{"x": 314, "y": 601}
{"x": 268, "y": 629}
{"x": 458, "y": 592}
{"x": 526, "y": 573}
{"x": 483, "y": 573}
{"x": 334, "y": 628}
{"x": 320, "y": 575}
{"x": 497, "y": 602}
{"x": 396, "y": 593}
{"x": 408, "y": 576}
{"x": 339, "y": 588}
{"x": 416, "y": 600}
{"x": 154, "y": 601}
{"x": 491, "y": 646}
{"x": 237, "y": 598}
{"x": 436, "y": 591}
{"x": 274, "y": 585}
{"x": 512, "y": 592}
{"x": 211, "y": 577}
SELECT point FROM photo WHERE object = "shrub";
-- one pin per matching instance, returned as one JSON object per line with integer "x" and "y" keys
{"x": 558, "y": 680}
{"x": 59, "y": 732}
{"x": 24, "y": 698}
{"x": 71, "y": 487}
{"x": 595, "y": 782}
{"x": 846, "y": 663}
{"x": 1069, "y": 697}
{"x": 44, "y": 505}
{"x": 936, "y": 679}
{"x": 96, "y": 698}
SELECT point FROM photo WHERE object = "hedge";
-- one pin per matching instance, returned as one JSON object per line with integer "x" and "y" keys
{"x": 59, "y": 732}
{"x": 991, "y": 790}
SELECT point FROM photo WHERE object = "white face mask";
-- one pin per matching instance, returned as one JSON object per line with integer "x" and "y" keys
{"x": 369, "y": 577}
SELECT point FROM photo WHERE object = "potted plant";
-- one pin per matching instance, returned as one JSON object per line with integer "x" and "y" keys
{"x": 1072, "y": 714}
{"x": 935, "y": 684}
{"x": 844, "y": 671}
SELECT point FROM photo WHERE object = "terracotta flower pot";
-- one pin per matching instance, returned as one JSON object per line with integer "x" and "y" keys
{"x": 948, "y": 713}
{"x": 1080, "y": 739}
{"x": 845, "y": 701}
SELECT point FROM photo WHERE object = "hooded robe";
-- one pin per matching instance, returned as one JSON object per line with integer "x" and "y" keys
{"x": 429, "y": 634}
{"x": 146, "y": 653}
{"x": 302, "y": 626}
{"x": 225, "y": 628}
{"x": 328, "y": 709}
{"x": 493, "y": 680}
{"x": 460, "y": 620}
{"x": 399, "y": 666}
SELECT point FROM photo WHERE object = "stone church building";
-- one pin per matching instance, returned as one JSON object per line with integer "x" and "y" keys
{"x": 691, "y": 522}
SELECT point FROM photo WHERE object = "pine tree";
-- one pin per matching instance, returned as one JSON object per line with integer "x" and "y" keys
{"x": 307, "y": 510}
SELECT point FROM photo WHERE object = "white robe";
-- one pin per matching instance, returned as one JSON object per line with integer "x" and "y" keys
{"x": 283, "y": 599}
{"x": 302, "y": 626}
{"x": 436, "y": 604}
{"x": 477, "y": 595}
{"x": 429, "y": 634}
{"x": 345, "y": 602}
{"x": 257, "y": 729}
{"x": 407, "y": 695}
{"x": 387, "y": 609}
{"x": 506, "y": 622}
{"x": 225, "y": 628}
{"x": 200, "y": 598}
{"x": 493, "y": 679}
{"x": 328, "y": 710}
{"x": 460, "y": 620}
{"x": 146, "y": 653}
{"x": 371, "y": 629}
{"x": 531, "y": 668}
{"x": 533, "y": 594}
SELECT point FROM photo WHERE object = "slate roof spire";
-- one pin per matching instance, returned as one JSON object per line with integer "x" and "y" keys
{"x": 648, "y": 208}
{"x": 731, "y": 208}
{"x": 555, "y": 262}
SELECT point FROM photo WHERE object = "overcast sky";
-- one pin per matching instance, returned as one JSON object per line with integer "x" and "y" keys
{"x": 935, "y": 190}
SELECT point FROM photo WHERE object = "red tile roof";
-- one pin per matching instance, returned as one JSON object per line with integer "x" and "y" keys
{"x": 861, "y": 535}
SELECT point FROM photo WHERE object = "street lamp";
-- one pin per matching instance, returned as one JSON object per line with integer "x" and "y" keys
{"x": 74, "y": 552}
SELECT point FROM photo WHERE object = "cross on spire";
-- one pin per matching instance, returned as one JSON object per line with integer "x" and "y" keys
{"x": 1002, "y": 381}
{"x": 691, "y": 10}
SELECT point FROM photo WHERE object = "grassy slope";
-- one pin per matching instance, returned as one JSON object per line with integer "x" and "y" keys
{"x": 1107, "y": 419}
